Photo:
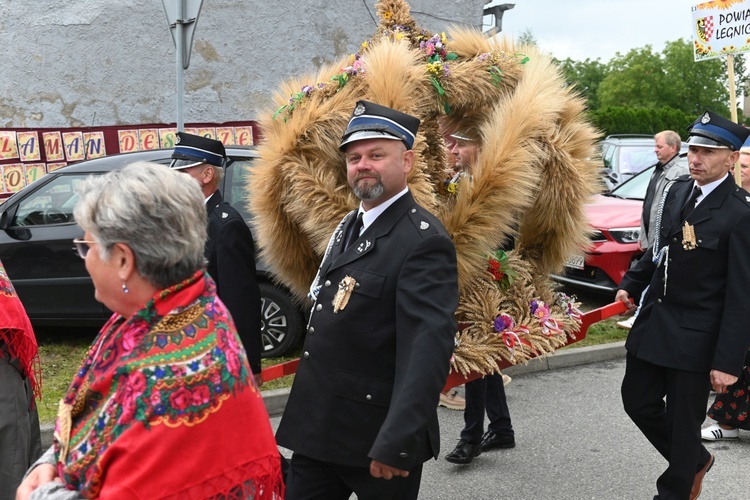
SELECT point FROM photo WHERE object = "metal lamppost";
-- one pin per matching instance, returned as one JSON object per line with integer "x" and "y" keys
{"x": 182, "y": 17}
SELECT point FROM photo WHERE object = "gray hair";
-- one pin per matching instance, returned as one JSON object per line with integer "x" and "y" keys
{"x": 158, "y": 212}
{"x": 671, "y": 137}
{"x": 218, "y": 174}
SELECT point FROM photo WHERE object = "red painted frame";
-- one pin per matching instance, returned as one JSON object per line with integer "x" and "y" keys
{"x": 454, "y": 379}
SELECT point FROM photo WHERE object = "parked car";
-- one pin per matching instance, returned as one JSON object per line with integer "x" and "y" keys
{"x": 36, "y": 233}
{"x": 615, "y": 218}
{"x": 625, "y": 155}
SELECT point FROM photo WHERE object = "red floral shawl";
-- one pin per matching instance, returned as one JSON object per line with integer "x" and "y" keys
{"x": 164, "y": 406}
{"x": 16, "y": 333}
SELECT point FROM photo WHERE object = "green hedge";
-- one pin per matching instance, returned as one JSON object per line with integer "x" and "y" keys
{"x": 625, "y": 120}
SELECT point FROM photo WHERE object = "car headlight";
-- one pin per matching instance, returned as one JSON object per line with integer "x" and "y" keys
{"x": 626, "y": 234}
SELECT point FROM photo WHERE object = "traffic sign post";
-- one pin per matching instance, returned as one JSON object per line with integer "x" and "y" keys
{"x": 182, "y": 17}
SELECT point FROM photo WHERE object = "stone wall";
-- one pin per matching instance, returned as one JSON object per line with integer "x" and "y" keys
{"x": 84, "y": 63}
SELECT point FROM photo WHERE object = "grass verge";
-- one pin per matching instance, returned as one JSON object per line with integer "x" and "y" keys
{"x": 60, "y": 360}
{"x": 603, "y": 332}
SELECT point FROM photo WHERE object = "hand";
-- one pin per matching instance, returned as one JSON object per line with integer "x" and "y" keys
{"x": 41, "y": 474}
{"x": 258, "y": 379}
{"x": 379, "y": 469}
{"x": 624, "y": 297}
{"x": 720, "y": 381}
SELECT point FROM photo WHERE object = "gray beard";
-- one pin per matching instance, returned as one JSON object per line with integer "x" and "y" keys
{"x": 369, "y": 193}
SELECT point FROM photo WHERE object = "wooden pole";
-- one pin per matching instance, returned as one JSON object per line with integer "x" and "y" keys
{"x": 733, "y": 109}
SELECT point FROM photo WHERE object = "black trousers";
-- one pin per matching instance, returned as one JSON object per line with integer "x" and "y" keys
{"x": 310, "y": 479}
{"x": 487, "y": 393}
{"x": 20, "y": 437}
{"x": 673, "y": 426}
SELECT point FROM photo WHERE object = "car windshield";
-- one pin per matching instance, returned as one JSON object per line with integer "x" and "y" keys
{"x": 635, "y": 188}
{"x": 633, "y": 159}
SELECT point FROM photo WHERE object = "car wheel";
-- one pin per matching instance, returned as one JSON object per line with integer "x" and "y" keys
{"x": 281, "y": 321}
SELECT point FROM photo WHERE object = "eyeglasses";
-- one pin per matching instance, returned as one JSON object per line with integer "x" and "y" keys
{"x": 82, "y": 247}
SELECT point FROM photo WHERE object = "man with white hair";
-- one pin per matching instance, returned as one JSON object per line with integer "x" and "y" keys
{"x": 230, "y": 250}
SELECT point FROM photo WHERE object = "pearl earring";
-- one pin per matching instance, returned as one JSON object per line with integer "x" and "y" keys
{"x": 124, "y": 288}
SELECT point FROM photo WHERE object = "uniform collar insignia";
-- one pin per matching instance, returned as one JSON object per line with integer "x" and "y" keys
{"x": 362, "y": 247}
{"x": 423, "y": 225}
{"x": 224, "y": 215}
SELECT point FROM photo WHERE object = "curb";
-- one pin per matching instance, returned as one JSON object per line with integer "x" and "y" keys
{"x": 275, "y": 400}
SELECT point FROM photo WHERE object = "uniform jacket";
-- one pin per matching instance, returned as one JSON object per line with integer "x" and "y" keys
{"x": 369, "y": 378}
{"x": 230, "y": 253}
{"x": 671, "y": 171}
{"x": 702, "y": 322}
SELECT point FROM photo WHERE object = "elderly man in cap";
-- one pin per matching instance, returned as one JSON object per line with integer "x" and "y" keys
{"x": 691, "y": 333}
{"x": 230, "y": 250}
{"x": 361, "y": 416}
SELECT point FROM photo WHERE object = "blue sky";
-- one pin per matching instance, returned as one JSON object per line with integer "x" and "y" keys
{"x": 598, "y": 28}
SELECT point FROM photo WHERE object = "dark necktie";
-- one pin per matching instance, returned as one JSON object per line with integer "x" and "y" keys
{"x": 690, "y": 205}
{"x": 354, "y": 230}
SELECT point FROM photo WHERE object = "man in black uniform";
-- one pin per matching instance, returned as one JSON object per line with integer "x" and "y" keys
{"x": 230, "y": 250}
{"x": 486, "y": 393}
{"x": 362, "y": 413}
{"x": 692, "y": 330}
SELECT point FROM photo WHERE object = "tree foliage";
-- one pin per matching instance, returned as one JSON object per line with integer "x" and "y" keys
{"x": 643, "y": 91}
{"x": 644, "y": 78}
{"x": 626, "y": 119}
{"x": 527, "y": 38}
{"x": 586, "y": 76}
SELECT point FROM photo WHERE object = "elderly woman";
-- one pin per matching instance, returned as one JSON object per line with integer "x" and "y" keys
{"x": 163, "y": 405}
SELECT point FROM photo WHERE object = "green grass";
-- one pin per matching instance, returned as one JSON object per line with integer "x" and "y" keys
{"x": 603, "y": 332}
{"x": 61, "y": 358}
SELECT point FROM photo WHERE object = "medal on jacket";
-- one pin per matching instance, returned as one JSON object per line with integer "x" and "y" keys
{"x": 688, "y": 237}
{"x": 341, "y": 299}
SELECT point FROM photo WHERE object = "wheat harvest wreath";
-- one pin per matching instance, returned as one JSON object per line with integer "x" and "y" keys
{"x": 532, "y": 180}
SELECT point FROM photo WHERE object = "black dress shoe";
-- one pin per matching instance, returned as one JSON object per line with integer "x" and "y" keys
{"x": 491, "y": 441}
{"x": 464, "y": 452}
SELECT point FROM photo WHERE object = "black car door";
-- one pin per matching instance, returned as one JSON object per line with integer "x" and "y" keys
{"x": 38, "y": 227}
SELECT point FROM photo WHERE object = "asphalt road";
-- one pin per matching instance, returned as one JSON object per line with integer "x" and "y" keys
{"x": 573, "y": 442}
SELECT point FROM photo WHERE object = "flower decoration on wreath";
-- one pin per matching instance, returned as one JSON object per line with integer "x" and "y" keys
{"x": 536, "y": 172}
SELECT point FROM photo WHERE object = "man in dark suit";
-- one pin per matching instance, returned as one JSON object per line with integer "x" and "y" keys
{"x": 692, "y": 330}
{"x": 486, "y": 393}
{"x": 362, "y": 413}
{"x": 230, "y": 250}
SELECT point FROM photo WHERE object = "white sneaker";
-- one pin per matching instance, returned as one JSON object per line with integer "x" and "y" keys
{"x": 452, "y": 400}
{"x": 506, "y": 380}
{"x": 714, "y": 432}
{"x": 627, "y": 324}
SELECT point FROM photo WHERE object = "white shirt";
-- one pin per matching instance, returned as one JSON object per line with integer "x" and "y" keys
{"x": 707, "y": 189}
{"x": 370, "y": 215}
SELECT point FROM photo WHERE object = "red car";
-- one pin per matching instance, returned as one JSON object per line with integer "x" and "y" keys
{"x": 616, "y": 220}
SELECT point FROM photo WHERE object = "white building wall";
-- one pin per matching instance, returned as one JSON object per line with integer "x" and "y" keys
{"x": 78, "y": 63}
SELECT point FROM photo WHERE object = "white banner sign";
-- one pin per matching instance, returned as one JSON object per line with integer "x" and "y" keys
{"x": 721, "y": 28}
